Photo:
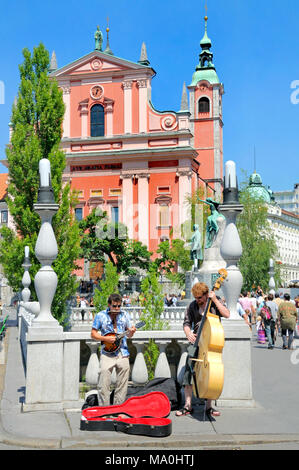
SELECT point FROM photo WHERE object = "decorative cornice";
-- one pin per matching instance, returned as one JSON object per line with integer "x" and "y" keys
{"x": 163, "y": 200}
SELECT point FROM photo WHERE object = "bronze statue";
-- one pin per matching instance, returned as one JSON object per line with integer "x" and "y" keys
{"x": 196, "y": 250}
{"x": 212, "y": 226}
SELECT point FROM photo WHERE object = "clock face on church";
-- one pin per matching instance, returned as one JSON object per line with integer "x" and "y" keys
{"x": 96, "y": 92}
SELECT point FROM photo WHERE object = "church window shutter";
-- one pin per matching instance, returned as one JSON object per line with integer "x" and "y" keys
{"x": 97, "y": 121}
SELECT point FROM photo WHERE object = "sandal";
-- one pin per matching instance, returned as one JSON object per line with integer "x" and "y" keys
{"x": 213, "y": 412}
{"x": 184, "y": 412}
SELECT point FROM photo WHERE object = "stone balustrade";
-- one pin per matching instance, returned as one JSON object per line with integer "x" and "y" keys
{"x": 171, "y": 343}
{"x": 173, "y": 316}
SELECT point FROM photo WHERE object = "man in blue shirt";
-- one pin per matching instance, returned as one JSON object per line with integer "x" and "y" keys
{"x": 113, "y": 320}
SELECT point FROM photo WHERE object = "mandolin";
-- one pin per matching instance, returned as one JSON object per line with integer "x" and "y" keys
{"x": 206, "y": 363}
{"x": 118, "y": 337}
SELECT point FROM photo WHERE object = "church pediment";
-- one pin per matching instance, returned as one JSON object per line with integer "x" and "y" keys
{"x": 97, "y": 62}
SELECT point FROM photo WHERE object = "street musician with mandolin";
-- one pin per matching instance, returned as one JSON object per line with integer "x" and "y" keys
{"x": 107, "y": 326}
{"x": 191, "y": 325}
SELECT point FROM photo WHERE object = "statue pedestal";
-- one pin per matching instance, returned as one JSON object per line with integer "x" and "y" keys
{"x": 191, "y": 278}
{"x": 237, "y": 389}
{"x": 213, "y": 261}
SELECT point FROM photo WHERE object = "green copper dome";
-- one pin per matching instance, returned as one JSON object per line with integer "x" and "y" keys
{"x": 257, "y": 189}
{"x": 208, "y": 74}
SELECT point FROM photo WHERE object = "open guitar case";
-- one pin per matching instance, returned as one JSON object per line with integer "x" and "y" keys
{"x": 142, "y": 415}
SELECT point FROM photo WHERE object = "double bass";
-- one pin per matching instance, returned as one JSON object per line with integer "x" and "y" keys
{"x": 206, "y": 363}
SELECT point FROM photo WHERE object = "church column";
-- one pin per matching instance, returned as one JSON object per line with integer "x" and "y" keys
{"x": 127, "y": 203}
{"x": 127, "y": 86}
{"x": 109, "y": 119}
{"x": 143, "y": 209}
{"x": 84, "y": 118}
{"x": 142, "y": 85}
{"x": 66, "y": 89}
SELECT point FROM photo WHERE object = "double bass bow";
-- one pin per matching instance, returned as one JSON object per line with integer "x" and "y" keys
{"x": 206, "y": 363}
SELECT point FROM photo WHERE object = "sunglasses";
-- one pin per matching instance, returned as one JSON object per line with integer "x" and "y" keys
{"x": 116, "y": 306}
{"x": 198, "y": 298}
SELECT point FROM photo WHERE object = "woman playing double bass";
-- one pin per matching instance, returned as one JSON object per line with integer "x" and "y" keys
{"x": 193, "y": 316}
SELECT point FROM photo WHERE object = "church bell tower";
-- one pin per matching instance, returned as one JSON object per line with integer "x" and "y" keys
{"x": 206, "y": 92}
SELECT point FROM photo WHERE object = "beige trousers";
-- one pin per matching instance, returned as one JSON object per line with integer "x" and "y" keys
{"x": 122, "y": 367}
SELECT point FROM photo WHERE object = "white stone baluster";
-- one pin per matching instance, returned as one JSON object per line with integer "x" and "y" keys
{"x": 139, "y": 370}
{"x": 162, "y": 367}
{"x": 93, "y": 366}
{"x": 26, "y": 280}
{"x": 182, "y": 363}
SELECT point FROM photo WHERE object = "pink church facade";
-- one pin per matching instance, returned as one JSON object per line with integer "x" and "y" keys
{"x": 129, "y": 159}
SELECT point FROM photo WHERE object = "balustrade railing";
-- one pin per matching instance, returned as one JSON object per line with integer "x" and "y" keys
{"x": 81, "y": 319}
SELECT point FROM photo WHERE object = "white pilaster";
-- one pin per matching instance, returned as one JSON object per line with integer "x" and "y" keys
{"x": 84, "y": 118}
{"x": 143, "y": 225}
{"x": 127, "y": 86}
{"x": 66, "y": 89}
{"x": 184, "y": 190}
{"x": 127, "y": 203}
{"x": 142, "y": 85}
{"x": 109, "y": 118}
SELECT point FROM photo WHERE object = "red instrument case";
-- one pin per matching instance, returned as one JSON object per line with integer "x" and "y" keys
{"x": 142, "y": 415}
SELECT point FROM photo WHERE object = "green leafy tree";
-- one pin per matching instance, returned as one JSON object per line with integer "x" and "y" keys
{"x": 107, "y": 286}
{"x": 36, "y": 122}
{"x": 173, "y": 254}
{"x": 258, "y": 242}
{"x": 100, "y": 237}
{"x": 152, "y": 300}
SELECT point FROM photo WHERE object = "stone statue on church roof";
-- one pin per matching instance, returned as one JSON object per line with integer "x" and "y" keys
{"x": 98, "y": 39}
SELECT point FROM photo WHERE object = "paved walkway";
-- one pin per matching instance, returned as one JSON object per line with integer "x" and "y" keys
{"x": 272, "y": 424}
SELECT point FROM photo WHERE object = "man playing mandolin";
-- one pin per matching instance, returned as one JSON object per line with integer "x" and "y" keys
{"x": 106, "y": 325}
{"x": 193, "y": 317}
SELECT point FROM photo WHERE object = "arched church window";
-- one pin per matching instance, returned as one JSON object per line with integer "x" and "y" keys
{"x": 97, "y": 121}
{"x": 204, "y": 105}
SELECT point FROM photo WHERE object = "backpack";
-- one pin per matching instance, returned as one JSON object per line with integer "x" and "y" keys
{"x": 266, "y": 312}
{"x": 169, "y": 386}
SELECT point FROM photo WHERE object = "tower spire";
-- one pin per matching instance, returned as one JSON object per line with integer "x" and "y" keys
{"x": 143, "y": 56}
{"x": 184, "y": 100}
{"x": 205, "y": 70}
{"x": 108, "y": 50}
{"x": 53, "y": 63}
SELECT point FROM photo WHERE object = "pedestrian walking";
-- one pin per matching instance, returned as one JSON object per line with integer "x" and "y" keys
{"x": 269, "y": 315}
{"x": 247, "y": 305}
{"x": 244, "y": 314}
{"x": 287, "y": 318}
{"x": 261, "y": 336}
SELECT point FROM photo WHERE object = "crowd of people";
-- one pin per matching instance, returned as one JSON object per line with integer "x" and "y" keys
{"x": 271, "y": 314}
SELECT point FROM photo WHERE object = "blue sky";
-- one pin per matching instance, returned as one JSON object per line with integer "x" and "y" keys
{"x": 255, "y": 46}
